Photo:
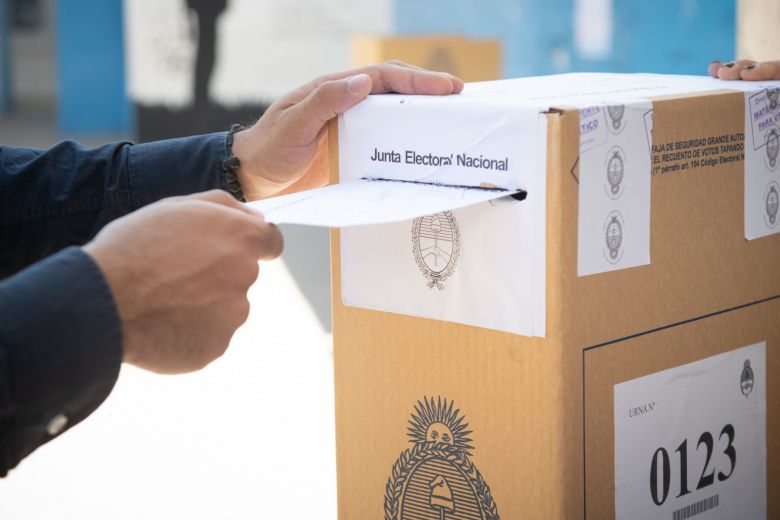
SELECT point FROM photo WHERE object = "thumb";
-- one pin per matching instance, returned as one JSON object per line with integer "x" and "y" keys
{"x": 325, "y": 102}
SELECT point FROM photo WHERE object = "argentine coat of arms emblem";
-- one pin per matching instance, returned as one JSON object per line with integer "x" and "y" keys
{"x": 772, "y": 203}
{"x": 436, "y": 247}
{"x": 746, "y": 379}
{"x": 772, "y": 95}
{"x": 434, "y": 479}
{"x": 616, "y": 113}
{"x": 772, "y": 147}
{"x": 613, "y": 235}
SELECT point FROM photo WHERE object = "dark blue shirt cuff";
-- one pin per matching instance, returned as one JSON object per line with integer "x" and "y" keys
{"x": 176, "y": 167}
{"x": 60, "y": 350}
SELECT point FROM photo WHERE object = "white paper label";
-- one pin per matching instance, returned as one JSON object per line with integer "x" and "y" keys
{"x": 762, "y": 164}
{"x": 472, "y": 266}
{"x": 614, "y": 191}
{"x": 447, "y": 139}
{"x": 483, "y": 265}
{"x": 693, "y": 439}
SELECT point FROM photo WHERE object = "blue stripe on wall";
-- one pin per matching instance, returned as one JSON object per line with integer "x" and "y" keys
{"x": 664, "y": 36}
{"x": 90, "y": 67}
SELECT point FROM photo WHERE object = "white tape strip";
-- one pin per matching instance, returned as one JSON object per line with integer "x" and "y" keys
{"x": 614, "y": 191}
{"x": 762, "y": 163}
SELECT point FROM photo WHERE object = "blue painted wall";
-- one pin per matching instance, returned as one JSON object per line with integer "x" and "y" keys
{"x": 665, "y": 36}
{"x": 91, "y": 89}
{"x": 671, "y": 36}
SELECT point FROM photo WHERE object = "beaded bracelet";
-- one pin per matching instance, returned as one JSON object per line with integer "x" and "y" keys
{"x": 230, "y": 166}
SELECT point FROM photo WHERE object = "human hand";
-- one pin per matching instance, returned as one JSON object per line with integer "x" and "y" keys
{"x": 285, "y": 150}
{"x": 745, "y": 69}
{"x": 179, "y": 270}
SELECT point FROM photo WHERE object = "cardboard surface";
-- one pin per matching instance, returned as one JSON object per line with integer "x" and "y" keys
{"x": 624, "y": 360}
{"x": 469, "y": 59}
{"x": 523, "y": 397}
{"x": 386, "y": 363}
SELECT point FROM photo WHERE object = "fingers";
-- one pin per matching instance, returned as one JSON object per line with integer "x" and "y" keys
{"x": 306, "y": 119}
{"x": 400, "y": 77}
{"x": 731, "y": 70}
{"x": 764, "y": 71}
{"x": 712, "y": 69}
{"x": 271, "y": 242}
{"x": 334, "y": 94}
{"x": 216, "y": 196}
{"x": 223, "y": 198}
{"x": 748, "y": 70}
{"x": 266, "y": 237}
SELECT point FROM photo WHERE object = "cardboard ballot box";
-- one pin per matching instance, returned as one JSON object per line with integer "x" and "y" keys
{"x": 468, "y": 58}
{"x": 650, "y": 391}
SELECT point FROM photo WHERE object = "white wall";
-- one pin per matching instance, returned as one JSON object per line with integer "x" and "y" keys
{"x": 264, "y": 49}
{"x": 758, "y": 22}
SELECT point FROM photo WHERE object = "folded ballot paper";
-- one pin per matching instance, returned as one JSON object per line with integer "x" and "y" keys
{"x": 443, "y": 198}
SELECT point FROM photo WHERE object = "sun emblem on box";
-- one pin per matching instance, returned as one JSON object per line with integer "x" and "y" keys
{"x": 746, "y": 379}
{"x": 772, "y": 95}
{"x": 616, "y": 113}
{"x": 434, "y": 479}
{"x": 436, "y": 247}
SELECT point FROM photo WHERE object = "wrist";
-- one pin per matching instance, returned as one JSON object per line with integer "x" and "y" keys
{"x": 249, "y": 173}
{"x": 231, "y": 164}
{"x": 118, "y": 279}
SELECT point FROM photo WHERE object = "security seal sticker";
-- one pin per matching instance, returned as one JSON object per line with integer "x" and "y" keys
{"x": 762, "y": 158}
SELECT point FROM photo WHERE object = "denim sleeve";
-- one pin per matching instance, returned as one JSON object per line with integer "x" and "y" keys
{"x": 63, "y": 196}
{"x": 60, "y": 350}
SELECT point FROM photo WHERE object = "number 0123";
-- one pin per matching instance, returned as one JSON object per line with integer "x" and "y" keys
{"x": 661, "y": 465}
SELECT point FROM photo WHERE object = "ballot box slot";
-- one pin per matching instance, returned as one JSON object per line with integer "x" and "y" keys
{"x": 515, "y": 194}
